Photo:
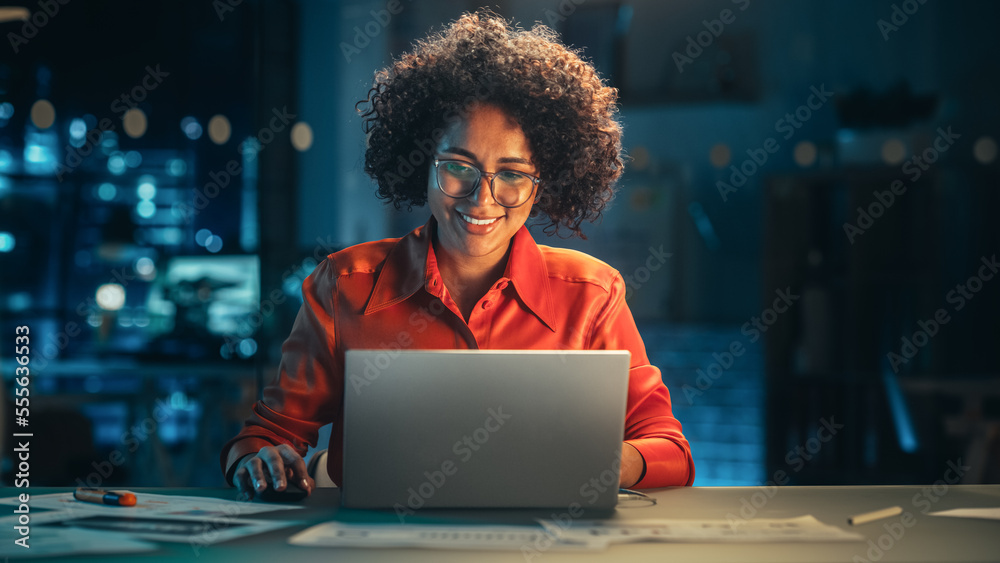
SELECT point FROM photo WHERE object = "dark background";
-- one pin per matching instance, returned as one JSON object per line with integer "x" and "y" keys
{"x": 145, "y": 390}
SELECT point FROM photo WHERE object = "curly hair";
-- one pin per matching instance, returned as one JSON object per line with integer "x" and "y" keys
{"x": 564, "y": 108}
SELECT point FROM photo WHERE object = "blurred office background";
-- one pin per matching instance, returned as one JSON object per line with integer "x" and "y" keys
{"x": 171, "y": 171}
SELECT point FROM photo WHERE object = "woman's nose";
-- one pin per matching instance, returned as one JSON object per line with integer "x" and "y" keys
{"x": 482, "y": 196}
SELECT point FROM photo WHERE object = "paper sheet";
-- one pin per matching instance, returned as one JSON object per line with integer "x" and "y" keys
{"x": 196, "y": 520}
{"x": 579, "y": 535}
{"x": 186, "y": 529}
{"x": 338, "y": 534}
{"x": 988, "y": 513}
{"x": 150, "y": 503}
{"x": 47, "y": 541}
{"x": 151, "y": 526}
{"x": 775, "y": 530}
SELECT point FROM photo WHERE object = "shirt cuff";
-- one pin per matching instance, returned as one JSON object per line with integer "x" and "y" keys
{"x": 665, "y": 464}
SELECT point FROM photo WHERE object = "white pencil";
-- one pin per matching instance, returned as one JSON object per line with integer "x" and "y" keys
{"x": 867, "y": 517}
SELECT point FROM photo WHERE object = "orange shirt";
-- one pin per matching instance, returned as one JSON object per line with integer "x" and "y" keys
{"x": 389, "y": 294}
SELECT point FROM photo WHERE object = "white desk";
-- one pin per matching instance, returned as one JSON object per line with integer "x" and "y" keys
{"x": 931, "y": 538}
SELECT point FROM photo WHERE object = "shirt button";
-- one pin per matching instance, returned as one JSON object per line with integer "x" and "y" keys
{"x": 487, "y": 304}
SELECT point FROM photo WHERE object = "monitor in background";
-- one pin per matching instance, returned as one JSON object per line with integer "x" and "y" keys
{"x": 199, "y": 301}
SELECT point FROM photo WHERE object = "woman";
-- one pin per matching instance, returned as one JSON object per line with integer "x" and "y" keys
{"x": 488, "y": 125}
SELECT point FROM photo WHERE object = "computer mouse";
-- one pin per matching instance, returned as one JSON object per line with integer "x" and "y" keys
{"x": 292, "y": 493}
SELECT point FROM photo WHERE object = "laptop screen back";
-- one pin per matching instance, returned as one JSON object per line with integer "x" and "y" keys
{"x": 483, "y": 429}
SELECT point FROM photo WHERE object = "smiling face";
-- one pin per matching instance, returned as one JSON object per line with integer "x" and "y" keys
{"x": 476, "y": 230}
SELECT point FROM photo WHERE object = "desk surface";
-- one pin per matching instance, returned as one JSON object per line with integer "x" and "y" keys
{"x": 930, "y": 538}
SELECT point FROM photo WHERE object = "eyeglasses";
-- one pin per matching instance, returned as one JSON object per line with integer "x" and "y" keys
{"x": 458, "y": 179}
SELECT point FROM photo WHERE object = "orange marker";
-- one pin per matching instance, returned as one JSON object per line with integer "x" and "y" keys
{"x": 110, "y": 498}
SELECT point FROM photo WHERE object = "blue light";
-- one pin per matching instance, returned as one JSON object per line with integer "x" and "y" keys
{"x": 191, "y": 128}
{"x": 6, "y": 241}
{"x": 176, "y": 167}
{"x": 77, "y": 128}
{"x": 250, "y": 148}
{"x": 133, "y": 159}
{"x": 171, "y": 235}
{"x": 202, "y": 236}
{"x": 107, "y": 191}
{"x": 34, "y": 153}
{"x": 214, "y": 244}
{"x": 6, "y": 110}
{"x": 147, "y": 187}
{"x": 40, "y": 148}
{"x": 19, "y": 301}
{"x": 116, "y": 164}
{"x": 145, "y": 209}
{"x": 6, "y": 161}
{"x": 248, "y": 347}
{"x": 109, "y": 143}
{"x": 905, "y": 432}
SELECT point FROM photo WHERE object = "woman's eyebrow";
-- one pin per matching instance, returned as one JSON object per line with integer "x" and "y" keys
{"x": 463, "y": 152}
{"x": 502, "y": 160}
{"x": 516, "y": 159}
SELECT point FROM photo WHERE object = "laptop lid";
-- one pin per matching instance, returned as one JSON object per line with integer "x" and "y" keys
{"x": 483, "y": 429}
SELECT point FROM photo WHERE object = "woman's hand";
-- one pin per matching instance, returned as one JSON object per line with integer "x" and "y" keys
{"x": 632, "y": 464}
{"x": 273, "y": 466}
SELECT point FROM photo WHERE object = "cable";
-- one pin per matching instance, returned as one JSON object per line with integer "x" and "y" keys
{"x": 628, "y": 498}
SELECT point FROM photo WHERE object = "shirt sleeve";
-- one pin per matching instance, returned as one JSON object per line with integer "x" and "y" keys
{"x": 650, "y": 425}
{"x": 307, "y": 392}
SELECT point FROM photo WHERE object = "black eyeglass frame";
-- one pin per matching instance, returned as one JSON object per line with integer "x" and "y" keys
{"x": 491, "y": 175}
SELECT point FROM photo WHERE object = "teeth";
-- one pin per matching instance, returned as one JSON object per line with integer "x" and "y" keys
{"x": 477, "y": 221}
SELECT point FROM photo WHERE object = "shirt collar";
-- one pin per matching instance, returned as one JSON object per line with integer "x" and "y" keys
{"x": 410, "y": 265}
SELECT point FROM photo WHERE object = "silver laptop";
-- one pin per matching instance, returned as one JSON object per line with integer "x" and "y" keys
{"x": 483, "y": 429}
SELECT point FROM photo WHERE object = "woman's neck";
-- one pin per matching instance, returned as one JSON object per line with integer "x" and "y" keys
{"x": 468, "y": 279}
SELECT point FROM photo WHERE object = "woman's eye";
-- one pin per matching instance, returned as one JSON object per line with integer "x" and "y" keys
{"x": 460, "y": 170}
{"x": 511, "y": 177}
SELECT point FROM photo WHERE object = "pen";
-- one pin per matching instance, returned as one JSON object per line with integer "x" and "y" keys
{"x": 866, "y": 517}
{"x": 98, "y": 496}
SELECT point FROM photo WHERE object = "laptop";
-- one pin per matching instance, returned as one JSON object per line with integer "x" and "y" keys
{"x": 483, "y": 429}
